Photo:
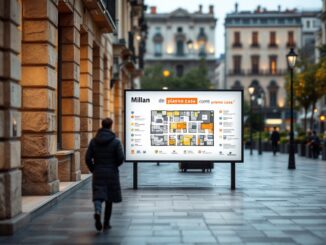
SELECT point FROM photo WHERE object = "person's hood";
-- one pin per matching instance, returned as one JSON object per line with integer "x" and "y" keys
{"x": 104, "y": 136}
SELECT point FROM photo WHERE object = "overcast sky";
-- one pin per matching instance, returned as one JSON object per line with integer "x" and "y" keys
{"x": 222, "y": 7}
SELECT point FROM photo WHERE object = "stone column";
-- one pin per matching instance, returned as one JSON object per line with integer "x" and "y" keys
{"x": 70, "y": 41}
{"x": 39, "y": 81}
{"x": 86, "y": 95}
{"x": 10, "y": 104}
{"x": 97, "y": 87}
{"x": 117, "y": 108}
{"x": 106, "y": 87}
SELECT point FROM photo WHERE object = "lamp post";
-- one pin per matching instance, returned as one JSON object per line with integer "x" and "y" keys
{"x": 251, "y": 92}
{"x": 260, "y": 103}
{"x": 291, "y": 58}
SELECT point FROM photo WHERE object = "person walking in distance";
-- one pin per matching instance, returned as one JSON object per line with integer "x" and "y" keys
{"x": 103, "y": 158}
{"x": 275, "y": 138}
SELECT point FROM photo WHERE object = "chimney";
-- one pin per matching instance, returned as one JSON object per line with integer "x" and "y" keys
{"x": 153, "y": 10}
{"x": 200, "y": 9}
{"x": 236, "y": 5}
{"x": 279, "y": 8}
{"x": 211, "y": 9}
{"x": 258, "y": 9}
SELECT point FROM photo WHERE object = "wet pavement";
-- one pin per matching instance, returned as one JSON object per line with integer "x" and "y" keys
{"x": 271, "y": 205}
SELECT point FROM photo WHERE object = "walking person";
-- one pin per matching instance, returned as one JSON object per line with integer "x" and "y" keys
{"x": 315, "y": 144}
{"x": 275, "y": 138}
{"x": 103, "y": 157}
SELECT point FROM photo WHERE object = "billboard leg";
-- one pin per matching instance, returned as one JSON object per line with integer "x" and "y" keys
{"x": 135, "y": 175}
{"x": 232, "y": 175}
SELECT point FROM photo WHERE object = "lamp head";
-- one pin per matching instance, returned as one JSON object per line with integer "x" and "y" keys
{"x": 190, "y": 44}
{"x": 166, "y": 73}
{"x": 251, "y": 90}
{"x": 291, "y": 58}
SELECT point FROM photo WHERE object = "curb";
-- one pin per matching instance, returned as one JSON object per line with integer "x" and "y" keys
{"x": 10, "y": 226}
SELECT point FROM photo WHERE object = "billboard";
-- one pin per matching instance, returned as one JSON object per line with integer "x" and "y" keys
{"x": 183, "y": 125}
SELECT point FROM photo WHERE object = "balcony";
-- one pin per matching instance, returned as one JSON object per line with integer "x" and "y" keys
{"x": 291, "y": 44}
{"x": 272, "y": 45}
{"x": 236, "y": 72}
{"x": 278, "y": 72}
{"x": 103, "y": 14}
{"x": 255, "y": 45}
{"x": 237, "y": 45}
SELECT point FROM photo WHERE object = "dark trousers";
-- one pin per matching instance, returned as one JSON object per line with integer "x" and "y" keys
{"x": 107, "y": 212}
{"x": 274, "y": 147}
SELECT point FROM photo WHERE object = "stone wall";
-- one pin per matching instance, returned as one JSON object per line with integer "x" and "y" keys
{"x": 52, "y": 55}
{"x": 39, "y": 82}
{"x": 10, "y": 104}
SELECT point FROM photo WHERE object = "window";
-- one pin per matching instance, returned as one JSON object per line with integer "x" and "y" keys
{"x": 179, "y": 70}
{"x": 308, "y": 23}
{"x": 273, "y": 64}
{"x": 202, "y": 41}
{"x": 179, "y": 29}
{"x": 291, "y": 42}
{"x": 273, "y": 89}
{"x": 236, "y": 39}
{"x": 157, "y": 48}
{"x": 254, "y": 41}
{"x": 180, "y": 48}
{"x": 158, "y": 41}
{"x": 237, "y": 64}
{"x": 272, "y": 39}
{"x": 255, "y": 64}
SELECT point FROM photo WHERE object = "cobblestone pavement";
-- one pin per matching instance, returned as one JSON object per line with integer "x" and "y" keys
{"x": 271, "y": 205}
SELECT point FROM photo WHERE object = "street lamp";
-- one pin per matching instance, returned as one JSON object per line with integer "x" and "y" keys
{"x": 166, "y": 73}
{"x": 251, "y": 90}
{"x": 291, "y": 58}
{"x": 190, "y": 45}
{"x": 260, "y": 103}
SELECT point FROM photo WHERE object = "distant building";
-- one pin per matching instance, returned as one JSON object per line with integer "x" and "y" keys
{"x": 219, "y": 73}
{"x": 256, "y": 46}
{"x": 179, "y": 40}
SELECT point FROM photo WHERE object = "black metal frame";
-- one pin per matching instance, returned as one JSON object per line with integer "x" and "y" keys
{"x": 215, "y": 90}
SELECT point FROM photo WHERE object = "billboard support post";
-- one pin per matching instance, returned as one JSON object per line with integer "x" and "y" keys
{"x": 135, "y": 175}
{"x": 232, "y": 175}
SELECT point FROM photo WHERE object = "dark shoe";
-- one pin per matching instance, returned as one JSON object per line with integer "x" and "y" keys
{"x": 106, "y": 226}
{"x": 98, "y": 224}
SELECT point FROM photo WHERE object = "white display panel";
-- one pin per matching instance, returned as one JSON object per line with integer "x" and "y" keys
{"x": 183, "y": 125}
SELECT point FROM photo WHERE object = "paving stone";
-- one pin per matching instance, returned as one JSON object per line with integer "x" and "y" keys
{"x": 271, "y": 205}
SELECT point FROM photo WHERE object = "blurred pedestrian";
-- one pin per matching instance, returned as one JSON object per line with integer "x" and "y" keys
{"x": 315, "y": 144}
{"x": 103, "y": 157}
{"x": 275, "y": 138}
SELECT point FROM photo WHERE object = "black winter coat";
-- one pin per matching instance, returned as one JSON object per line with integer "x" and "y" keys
{"x": 103, "y": 157}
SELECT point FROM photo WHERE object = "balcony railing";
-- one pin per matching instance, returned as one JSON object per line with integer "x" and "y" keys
{"x": 103, "y": 14}
{"x": 278, "y": 72}
{"x": 272, "y": 45}
{"x": 110, "y": 7}
{"x": 255, "y": 45}
{"x": 237, "y": 45}
{"x": 291, "y": 45}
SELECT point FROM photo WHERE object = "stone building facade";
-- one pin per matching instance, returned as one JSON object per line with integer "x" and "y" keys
{"x": 179, "y": 40}
{"x": 63, "y": 67}
{"x": 256, "y": 46}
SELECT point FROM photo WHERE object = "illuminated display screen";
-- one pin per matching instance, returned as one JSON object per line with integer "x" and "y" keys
{"x": 183, "y": 126}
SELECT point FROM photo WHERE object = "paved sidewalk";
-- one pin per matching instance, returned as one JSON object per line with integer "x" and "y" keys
{"x": 271, "y": 205}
